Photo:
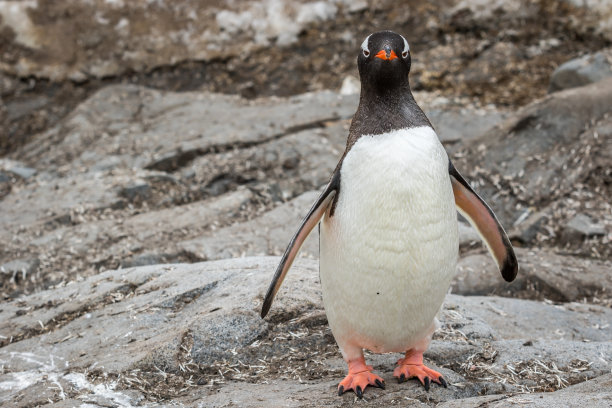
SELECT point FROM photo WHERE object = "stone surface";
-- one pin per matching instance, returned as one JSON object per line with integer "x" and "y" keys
{"x": 582, "y": 71}
{"x": 580, "y": 227}
{"x": 266, "y": 235}
{"x": 553, "y": 149}
{"x": 542, "y": 275}
{"x": 18, "y": 269}
{"x": 101, "y": 337}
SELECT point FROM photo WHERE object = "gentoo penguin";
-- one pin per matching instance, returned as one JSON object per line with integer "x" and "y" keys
{"x": 388, "y": 237}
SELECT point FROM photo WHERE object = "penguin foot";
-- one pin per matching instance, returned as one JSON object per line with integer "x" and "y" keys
{"x": 412, "y": 366}
{"x": 359, "y": 377}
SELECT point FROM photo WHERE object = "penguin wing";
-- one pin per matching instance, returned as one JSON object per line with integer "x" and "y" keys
{"x": 480, "y": 215}
{"x": 310, "y": 221}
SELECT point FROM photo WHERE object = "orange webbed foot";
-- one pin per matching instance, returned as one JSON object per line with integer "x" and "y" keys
{"x": 359, "y": 377}
{"x": 412, "y": 366}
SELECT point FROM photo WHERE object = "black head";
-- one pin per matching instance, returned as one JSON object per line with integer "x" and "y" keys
{"x": 384, "y": 61}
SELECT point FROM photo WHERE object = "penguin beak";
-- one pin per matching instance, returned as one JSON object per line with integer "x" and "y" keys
{"x": 386, "y": 54}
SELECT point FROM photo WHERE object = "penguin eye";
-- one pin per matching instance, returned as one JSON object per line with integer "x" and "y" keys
{"x": 364, "y": 47}
{"x": 406, "y": 48}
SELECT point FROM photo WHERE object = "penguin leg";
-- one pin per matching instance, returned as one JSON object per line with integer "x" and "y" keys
{"x": 359, "y": 374}
{"x": 412, "y": 364}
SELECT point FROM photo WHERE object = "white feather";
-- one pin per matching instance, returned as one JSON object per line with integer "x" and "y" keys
{"x": 406, "y": 46}
{"x": 364, "y": 44}
{"x": 389, "y": 252}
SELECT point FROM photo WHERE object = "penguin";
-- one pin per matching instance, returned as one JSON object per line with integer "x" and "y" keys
{"x": 388, "y": 226}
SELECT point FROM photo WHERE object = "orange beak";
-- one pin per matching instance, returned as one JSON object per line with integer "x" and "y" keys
{"x": 384, "y": 55}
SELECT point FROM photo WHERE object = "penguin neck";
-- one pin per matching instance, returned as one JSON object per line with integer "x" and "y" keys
{"x": 382, "y": 110}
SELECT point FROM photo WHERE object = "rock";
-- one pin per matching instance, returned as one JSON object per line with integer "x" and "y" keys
{"x": 142, "y": 239}
{"x": 493, "y": 62}
{"x": 152, "y": 138}
{"x": 19, "y": 269}
{"x": 588, "y": 393}
{"x": 597, "y": 16}
{"x": 507, "y": 162}
{"x": 58, "y": 200}
{"x": 23, "y": 172}
{"x": 17, "y": 168}
{"x": 468, "y": 236}
{"x": 350, "y": 86}
{"x": 454, "y": 126}
{"x": 138, "y": 190}
{"x": 580, "y": 227}
{"x": 175, "y": 325}
{"x": 582, "y": 71}
{"x": 143, "y": 260}
{"x": 526, "y": 230}
{"x": 266, "y": 235}
{"x": 542, "y": 275}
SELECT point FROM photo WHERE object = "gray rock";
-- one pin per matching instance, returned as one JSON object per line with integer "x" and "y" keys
{"x": 150, "y": 327}
{"x": 143, "y": 260}
{"x": 453, "y": 126}
{"x": 468, "y": 236}
{"x": 23, "y": 172}
{"x": 526, "y": 231}
{"x": 506, "y": 163}
{"x": 266, "y": 235}
{"x": 542, "y": 275}
{"x": 19, "y": 268}
{"x": 138, "y": 190}
{"x": 143, "y": 239}
{"x": 582, "y": 71}
{"x": 592, "y": 393}
{"x": 511, "y": 320}
{"x": 152, "y": 137}
{"x": 17, "y": 168}
{"x": 580, "y": 227}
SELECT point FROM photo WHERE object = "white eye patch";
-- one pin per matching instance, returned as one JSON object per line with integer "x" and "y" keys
{"x": 406, "y": 47}
{"x": 364, "y": 46}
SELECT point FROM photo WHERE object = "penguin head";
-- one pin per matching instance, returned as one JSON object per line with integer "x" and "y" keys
{"x": 384, "y": 61}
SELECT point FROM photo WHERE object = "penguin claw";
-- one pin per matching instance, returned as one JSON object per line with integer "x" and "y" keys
{"x": 424, "y": 374}
{"x": 358, "y": 381}
{"x": 442, "y": 382}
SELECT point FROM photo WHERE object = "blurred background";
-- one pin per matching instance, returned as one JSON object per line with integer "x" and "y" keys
{"x": 54, "y": 55}
{"x": 155, "y": 132}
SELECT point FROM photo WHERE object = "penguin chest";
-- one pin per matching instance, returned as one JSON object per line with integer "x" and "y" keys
{"x": 390, "y": 250}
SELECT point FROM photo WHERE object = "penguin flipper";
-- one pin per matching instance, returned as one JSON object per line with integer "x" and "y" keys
{"x": 327, "y": 198}
{"x": 480, "y": 215}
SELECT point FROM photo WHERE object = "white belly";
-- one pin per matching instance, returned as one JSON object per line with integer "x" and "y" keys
{"x": 389, "y": 252}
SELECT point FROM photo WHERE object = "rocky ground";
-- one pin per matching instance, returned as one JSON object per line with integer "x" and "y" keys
{"x": 141, "y": 213}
